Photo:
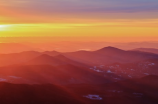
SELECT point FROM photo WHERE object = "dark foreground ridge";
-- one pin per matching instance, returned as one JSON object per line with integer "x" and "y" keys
{"x": 134, "y": 91}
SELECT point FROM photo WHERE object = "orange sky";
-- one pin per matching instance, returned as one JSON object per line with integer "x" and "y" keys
{"x": 18, "y": 20}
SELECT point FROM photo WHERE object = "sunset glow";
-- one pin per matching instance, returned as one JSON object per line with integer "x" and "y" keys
{"x": 67, "y": 18}
{"x": 78, "y": 51}
{"x": 4, "y": 27}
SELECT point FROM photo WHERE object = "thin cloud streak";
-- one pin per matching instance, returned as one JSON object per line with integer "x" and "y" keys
{"x": 51, "y": 6}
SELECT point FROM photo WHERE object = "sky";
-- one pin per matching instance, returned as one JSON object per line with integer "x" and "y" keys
{"x": 88, "y": 20}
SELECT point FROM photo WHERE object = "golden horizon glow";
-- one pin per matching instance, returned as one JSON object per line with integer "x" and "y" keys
{"x": 4, "y": 27}
{"x": 105, "y": 29}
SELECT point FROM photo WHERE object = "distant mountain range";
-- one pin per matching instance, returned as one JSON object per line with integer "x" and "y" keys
{"x": 109, "y": 55}
{"x": 103, "y": 56}
{"x": 151, "y": 50}
{"x": 105, "y": 65}
{"x": 17, "y": 58}
{"x": 58, "y": 60}
{"x": 68, "y": 46}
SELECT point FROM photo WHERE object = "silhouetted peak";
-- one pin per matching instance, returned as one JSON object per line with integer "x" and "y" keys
{"x": 51, "y": 52}
{"x": 110, "y": 48}
{"x": 60, "y": 56}
{"x": 55, "y": 51}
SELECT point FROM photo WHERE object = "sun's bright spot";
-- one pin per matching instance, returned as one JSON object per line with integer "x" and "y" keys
{"x": 4, "y": 27}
